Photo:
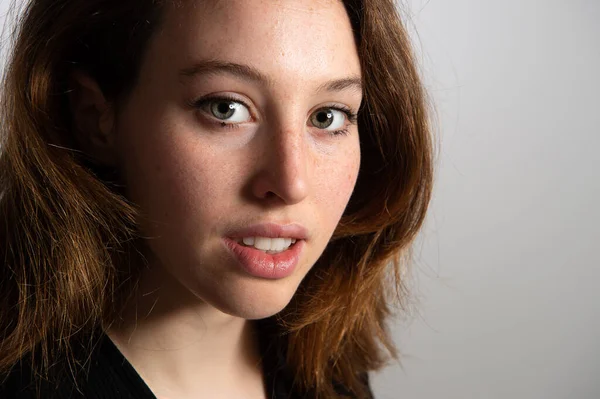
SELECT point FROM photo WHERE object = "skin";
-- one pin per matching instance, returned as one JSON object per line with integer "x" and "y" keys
{"x": 187, "y": 331}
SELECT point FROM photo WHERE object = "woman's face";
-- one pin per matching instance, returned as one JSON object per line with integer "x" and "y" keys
{"x": 240, "y": 117}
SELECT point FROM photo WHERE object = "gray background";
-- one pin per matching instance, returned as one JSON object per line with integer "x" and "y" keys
{"x": 506, "y": 277}
{"x": 506, "y": 297}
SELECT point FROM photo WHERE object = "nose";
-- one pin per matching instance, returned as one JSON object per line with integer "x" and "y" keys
{"x": 284, "y": 167}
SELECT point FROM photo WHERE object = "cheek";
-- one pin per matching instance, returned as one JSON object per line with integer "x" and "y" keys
{"x": 169, "y": 178}
{"x": 336, "y": 182}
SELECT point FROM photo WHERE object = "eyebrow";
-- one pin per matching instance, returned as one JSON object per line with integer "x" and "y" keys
{"x": 247, "y": 72}
{"x": 353, "y": 83}
{"x": 214, "y": 67}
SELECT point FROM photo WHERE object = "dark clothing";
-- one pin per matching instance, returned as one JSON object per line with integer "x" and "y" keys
{"x": 111, "y": 376}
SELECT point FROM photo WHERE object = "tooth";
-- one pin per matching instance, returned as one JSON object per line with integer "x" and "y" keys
{"x": 278, "y": 244}
{"x": 262, "y": 243}
{"x": 268, "y": 244}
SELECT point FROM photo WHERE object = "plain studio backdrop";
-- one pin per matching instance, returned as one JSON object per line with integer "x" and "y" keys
{"x": 507, "y": 272}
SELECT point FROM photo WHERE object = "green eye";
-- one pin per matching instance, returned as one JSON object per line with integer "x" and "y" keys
{"x": 229, "y": 111}
{"x": 328, "y": 118}
{"x": 223, "y": 110}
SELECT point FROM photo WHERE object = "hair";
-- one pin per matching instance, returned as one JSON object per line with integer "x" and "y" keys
{"x": 68, "y": 235}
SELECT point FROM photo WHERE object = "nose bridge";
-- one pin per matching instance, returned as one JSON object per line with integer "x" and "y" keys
{"x": 286, "y": 167}
{"x": 289, "y": 144}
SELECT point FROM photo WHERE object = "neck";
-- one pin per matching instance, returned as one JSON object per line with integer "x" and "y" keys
{"x": 184, "y": 347}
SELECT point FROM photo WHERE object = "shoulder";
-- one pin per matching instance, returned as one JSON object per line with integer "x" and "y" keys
{"x": 343, "y": 390}
{"x": 99, "y": 374}
{"x": 280, "y": 377}
{"x": 20, "y": 383}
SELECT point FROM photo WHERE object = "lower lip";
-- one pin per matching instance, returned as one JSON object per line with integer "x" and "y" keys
{"x": 263, "y": 265}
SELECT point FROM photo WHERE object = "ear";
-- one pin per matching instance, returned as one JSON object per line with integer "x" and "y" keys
{"x": 93, "y": 119}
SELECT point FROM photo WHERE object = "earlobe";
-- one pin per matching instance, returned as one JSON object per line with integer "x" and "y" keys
{"x": 92, "y": 118}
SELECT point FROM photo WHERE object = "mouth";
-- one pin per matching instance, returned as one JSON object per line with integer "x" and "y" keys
{"x": 275, "y": 261}
{"x": 268, "y": 245}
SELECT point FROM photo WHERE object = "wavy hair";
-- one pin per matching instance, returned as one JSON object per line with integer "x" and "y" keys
{"x": 68, "y": 235}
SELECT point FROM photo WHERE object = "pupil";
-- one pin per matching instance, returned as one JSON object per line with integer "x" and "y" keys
{"x": 323, "y": 117}
{"x": 224, "y": 108}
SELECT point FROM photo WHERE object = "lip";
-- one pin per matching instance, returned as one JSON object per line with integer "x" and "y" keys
{"x": 263, "y": 265}
{"x": 271, "y": 230}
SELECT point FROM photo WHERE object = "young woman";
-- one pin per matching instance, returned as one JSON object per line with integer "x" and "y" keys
{"x": 206, "y": 199}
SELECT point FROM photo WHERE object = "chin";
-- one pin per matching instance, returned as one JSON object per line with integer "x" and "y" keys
{"x": 251, "y": 298}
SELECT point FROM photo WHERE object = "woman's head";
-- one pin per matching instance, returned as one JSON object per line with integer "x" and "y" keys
{"x": 243, "y": 114}
{"x": 166, "y": 127}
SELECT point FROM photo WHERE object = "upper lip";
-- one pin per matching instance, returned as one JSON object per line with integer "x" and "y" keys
{"x": 271, "y": 230}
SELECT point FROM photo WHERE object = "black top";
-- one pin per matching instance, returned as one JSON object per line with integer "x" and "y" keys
{"x": 111, "y": 376}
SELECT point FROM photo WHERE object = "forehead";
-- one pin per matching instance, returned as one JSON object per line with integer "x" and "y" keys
{"x": 306, "y": 38}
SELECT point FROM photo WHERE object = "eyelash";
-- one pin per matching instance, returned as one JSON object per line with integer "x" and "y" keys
{"x": 351, "y": 117}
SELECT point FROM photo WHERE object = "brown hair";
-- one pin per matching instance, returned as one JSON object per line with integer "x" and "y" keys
{"x": 67, "y": 233}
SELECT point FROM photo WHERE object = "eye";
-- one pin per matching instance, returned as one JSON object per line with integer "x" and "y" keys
{"x": 229, "y": 111}
{"x": 225, "y": 109}
{"x": 328, "y": 119}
